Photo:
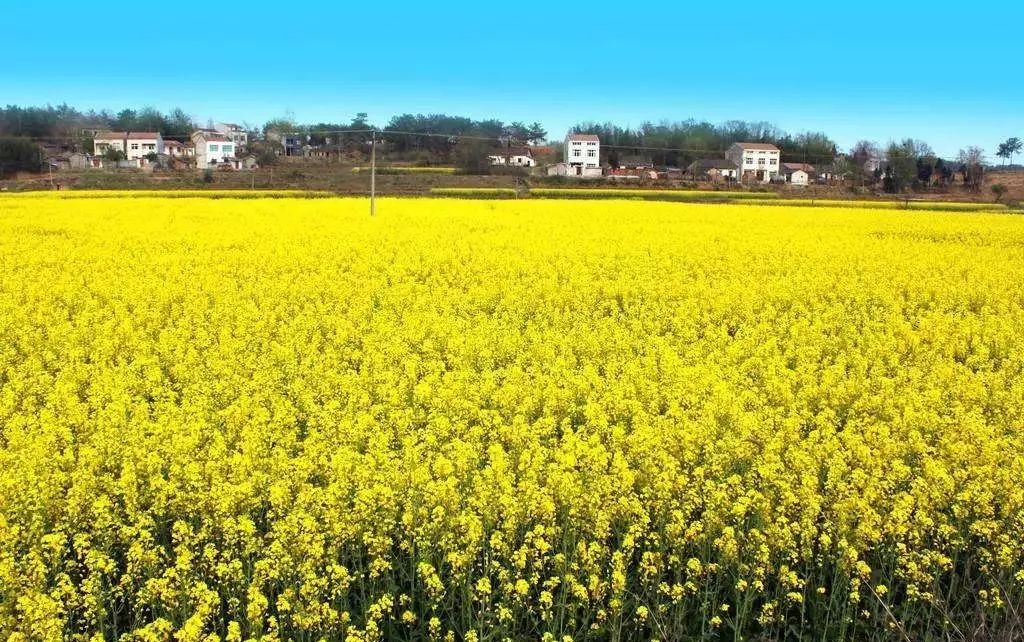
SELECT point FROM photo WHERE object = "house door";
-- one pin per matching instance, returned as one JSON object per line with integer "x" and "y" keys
{"x": 579, "y": 170}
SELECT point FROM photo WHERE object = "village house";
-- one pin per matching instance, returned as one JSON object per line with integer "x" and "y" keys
{"x": 211, "y": 149}
{"x": 177, "y": 149}
{"x": 68, "y": 160}
{"x": 235, "y": 133}
{"x": 244, "y": 163}
{"x": 582, "y": 157}
{"x": 513, "y": 156}
{"x": 798, "y": 173}
{"x": 715, "y": 170}
{"x": 135, "y": 146}
{"x": 756, "y": 161}
{"x": 104, "y": 142}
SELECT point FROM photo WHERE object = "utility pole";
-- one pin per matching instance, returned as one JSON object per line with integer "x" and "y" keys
{"x": 373, "y": 173}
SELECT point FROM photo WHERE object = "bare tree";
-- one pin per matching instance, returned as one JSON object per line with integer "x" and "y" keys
{"x": 972, "y": 167}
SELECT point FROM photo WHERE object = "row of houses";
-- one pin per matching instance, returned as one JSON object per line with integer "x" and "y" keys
{"x": 223, "y": 146}
{"x": 746, "y": 162}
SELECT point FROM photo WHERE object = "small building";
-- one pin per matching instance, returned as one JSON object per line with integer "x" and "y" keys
{"x": 244, "y": 163}
{"x": 798, "y": 173}
{"x": 715, "y": 170}
{"x": 757, "y": 162}
{"x": 235, "y": 133}
{"x": 68, "y": 160}
{"x": 211, "y": 149}
{"x": 512, "y": 156}
{"x": 178, "y": 149}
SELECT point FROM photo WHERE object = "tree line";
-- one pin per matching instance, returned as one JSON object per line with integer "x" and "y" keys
{"x": 683, "y": 142}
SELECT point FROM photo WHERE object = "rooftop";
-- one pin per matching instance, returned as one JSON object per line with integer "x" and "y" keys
{"x": 584, "y": 137}
{"x": 128, "y": 135}
{"x": 758, "y": 146}
{"x": 705, "y": 164}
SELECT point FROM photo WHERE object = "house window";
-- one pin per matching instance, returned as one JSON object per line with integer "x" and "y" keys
{"x": 227, "y": 149}
{"x": 591, "y": 144}
{"x": 773, "y": 161}
{"x": 760, "y": 161}
{"x": 591, "y": 153}
{"x": 576, "y": 152}
{"x": 213, "y": 147}
{"x": 135, "y": 145}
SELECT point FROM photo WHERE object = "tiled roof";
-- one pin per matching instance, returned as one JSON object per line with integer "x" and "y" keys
{"x": 584, "y": 137}
{"x": 759, "y": 146}
{"x": 706, "y": 164}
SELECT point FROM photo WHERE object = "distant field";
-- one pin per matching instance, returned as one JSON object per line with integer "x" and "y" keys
{"x": 533, "y": 420}
{"x": 407, "y": 170}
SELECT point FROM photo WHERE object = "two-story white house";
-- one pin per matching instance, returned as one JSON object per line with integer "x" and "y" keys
{"x": 134, "y": 145}
{"x": 104, "y": 142}
{"x": 142, "y": 144}
{"x": 756, "y": 161}
{"x": 235, "y": 133}
{"x": 212, "y": 149}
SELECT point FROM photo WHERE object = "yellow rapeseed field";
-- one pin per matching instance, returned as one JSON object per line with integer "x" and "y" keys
{"x": 508, "y": 420}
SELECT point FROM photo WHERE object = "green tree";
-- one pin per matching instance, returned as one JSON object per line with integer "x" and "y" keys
{"x": 113, "y": 155}
{"x": 1009, "y": 148}
{"x": 901, "y": 165}
{"x": 19, "y": 155}
{"x": 471, "y": 156}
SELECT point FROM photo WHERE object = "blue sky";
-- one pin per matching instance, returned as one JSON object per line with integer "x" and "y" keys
{"x": 949, "y": 73}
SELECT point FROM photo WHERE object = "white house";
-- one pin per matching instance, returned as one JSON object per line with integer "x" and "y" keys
{"x": 134, "y": 145}
{"x": 235, "y": 133}
{"x": 757, "y": 161}
{"x": 142, "y": 144}
{"x": 514, "y": 157}
{"x": 103, "y": 142}
{"x": 211, "y": 149}
{"x": 582, "y": 157}
{"x": 798, "y": 173}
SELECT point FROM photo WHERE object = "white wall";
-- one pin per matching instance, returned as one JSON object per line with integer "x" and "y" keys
{"x": 139, "y": 148}
{"x": 587, "y": 153}
{"x": 755, "y": 160}
{"x": 101, "y": 145}
{"x": 515, "y": 160}
{"x": 798, "y": 177}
